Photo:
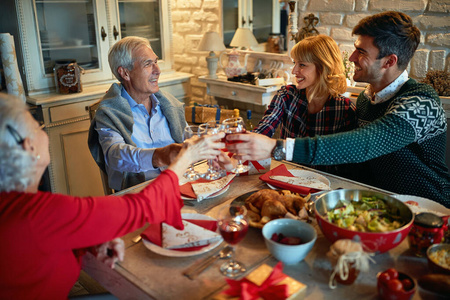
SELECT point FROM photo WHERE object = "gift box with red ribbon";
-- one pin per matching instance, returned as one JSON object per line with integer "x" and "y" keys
{"x": 265, "y": 283}
{"x": 257, "y": 166}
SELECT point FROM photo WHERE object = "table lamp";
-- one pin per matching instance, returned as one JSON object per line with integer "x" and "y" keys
{"x": 243, "y": 37}
{"x": 211, "y": 41}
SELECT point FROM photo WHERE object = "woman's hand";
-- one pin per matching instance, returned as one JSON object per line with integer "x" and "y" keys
{"x": 254, "y": 146}
{"x": 196, "y": 149}
{"x": 110, "y": 252}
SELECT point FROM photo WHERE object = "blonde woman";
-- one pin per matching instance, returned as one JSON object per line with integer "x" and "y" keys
{"x": 314, "y": 106}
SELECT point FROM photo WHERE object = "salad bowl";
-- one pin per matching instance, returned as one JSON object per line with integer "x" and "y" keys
{"x": 376, "y": 242}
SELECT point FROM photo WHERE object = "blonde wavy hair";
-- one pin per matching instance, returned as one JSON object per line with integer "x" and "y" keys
{"x": 322, "y": 51}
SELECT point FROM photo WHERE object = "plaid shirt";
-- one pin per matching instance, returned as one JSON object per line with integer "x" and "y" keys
{"x": 290, "y": 107}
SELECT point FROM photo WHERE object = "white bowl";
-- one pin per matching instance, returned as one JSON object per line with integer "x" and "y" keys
{"x": 289, "y": 254}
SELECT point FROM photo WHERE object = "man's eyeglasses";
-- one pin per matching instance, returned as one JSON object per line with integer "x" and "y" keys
{"x": 19, "y": 139}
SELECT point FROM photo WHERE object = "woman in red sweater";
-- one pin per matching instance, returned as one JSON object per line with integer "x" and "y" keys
{"x": 39, "y": 231}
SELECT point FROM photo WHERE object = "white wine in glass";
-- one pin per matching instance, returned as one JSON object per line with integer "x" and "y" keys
{"x": 190, "y": 131}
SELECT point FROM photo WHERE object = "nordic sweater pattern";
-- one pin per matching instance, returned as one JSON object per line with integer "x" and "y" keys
{"x": 400, "y": 144}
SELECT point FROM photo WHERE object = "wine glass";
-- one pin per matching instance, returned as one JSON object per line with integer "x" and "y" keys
{"x": 212, "y": 128}
{"x": 190, "y": 131}
{"x": 233, "y": 225}
{"x": 231, "y": 126}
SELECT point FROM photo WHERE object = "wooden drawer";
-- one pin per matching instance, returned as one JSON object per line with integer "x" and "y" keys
{"x": 70, "y": 111}
{"x": 241, "y": 94}
{"x": 180, "y": 90}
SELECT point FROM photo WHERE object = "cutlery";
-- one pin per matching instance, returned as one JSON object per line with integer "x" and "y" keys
{"x": 193, "y": 271}
{"x": 136, "y": 239}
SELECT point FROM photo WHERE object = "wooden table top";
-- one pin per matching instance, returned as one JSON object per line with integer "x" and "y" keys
{"x": 147, "y": 275}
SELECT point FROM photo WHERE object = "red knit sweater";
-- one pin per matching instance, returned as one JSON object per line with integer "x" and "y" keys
{"x": 38, "y": 233}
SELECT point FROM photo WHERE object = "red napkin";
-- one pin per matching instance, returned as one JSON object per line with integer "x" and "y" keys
{"x": 281, "y": 170}
{"x": 153, "y": 233}
{"x": 187, "y": 191}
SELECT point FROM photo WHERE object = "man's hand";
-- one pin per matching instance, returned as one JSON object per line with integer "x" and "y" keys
{"x": 254, "y": 146}
{"x": 164, "y": 156}
{"x": 110, "y": 252}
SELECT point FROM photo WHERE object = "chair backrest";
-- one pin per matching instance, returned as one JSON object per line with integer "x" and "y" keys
{"x": 108, "y": 191}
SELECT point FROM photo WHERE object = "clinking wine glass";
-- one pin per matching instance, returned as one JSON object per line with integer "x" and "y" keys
{"x": 212, "y": 128}
{"x": 232, "y": 126}
{"x": 233, "y": 226}
{"x": 189, "y": 132}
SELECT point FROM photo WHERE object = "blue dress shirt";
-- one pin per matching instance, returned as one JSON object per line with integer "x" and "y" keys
{"x": 150, "y": 131}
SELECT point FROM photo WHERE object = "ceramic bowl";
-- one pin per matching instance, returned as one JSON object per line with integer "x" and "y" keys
{"x": 385, "y": 292}
{"x": 434, "y": 265}
{"x": 289, "y": 254}
{"x": 377, "y": 242}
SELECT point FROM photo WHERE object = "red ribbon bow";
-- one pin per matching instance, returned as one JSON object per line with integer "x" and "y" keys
{"x": 268, "y": 290}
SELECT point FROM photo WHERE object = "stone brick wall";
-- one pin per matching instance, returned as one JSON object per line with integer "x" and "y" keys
{"x": 192, "y": 18}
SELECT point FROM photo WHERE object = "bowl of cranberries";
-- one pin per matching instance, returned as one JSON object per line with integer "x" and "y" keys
{"x": 394, "y": 285}
{"x": 289, "y": 240}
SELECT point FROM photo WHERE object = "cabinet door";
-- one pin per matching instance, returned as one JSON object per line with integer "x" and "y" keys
{"x": 61, "y": 30}
{"x": 261, "y": 16}
{"x": 149, "y": 19}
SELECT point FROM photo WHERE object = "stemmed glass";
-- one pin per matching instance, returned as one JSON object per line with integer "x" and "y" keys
{"x": 190, "y": 131}
{"x": 233, "y": 226}
{"x": 212, "y": 128}
{"x": 231, "y": 126}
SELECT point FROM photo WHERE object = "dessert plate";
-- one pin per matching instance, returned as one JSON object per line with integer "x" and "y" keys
{"x": 174, "y": 253}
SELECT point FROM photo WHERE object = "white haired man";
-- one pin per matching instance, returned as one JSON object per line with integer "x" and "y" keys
{"x": 136, "y": 127}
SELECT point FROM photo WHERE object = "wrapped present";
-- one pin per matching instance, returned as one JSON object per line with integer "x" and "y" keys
{"x": 205, "y": 113}
{"x": 265, "y": 283}
{"x": 257, "y": 166}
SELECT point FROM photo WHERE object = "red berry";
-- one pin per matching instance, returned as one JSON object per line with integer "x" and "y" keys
{"x": 407, "y": 284}
{"x": 384, "y": 277}
{"x": 393, "y": 273}
{"x": 394, "y": 285}
{"x": 291, "y": 240}
{"x": 274, "y": 237}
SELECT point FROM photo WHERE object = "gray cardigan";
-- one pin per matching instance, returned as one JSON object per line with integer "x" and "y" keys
{"x": 115, "y": 112}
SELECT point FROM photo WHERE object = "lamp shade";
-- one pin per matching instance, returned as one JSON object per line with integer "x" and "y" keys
{"x": 211, "y": 41}
{"x": 243, "y": 37}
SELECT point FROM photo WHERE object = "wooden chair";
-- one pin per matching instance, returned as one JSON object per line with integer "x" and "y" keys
{"x": 108, "y": 191}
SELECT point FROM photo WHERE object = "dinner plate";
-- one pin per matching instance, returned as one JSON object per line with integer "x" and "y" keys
{"x": 307, "y": 175}
{"x": 174, "y": 253}
{"x": 425, "y": 204}
{"x": 216, "y": 194}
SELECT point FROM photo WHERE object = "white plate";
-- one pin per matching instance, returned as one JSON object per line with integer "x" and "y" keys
{"x": 307, "y": 174}
{"x": 426, "y": 204}
{"x": 173, "y": 253}
{"x": 216, "y": 194}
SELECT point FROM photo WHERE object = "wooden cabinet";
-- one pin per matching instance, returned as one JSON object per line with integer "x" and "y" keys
{"x": 85, "y": 30}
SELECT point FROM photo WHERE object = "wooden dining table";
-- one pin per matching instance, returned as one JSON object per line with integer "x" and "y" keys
{"x": 147, "y": 275}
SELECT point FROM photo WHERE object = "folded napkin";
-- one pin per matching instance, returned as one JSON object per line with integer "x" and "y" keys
{"x": 281, "y": 170}
{"x": 153, "y": 233}
{"x": 202, "y": 188}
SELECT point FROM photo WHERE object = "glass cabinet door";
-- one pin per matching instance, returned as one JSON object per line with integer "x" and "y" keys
{"x": 261, "y": 16}
{"x": 67, "y": 31}
{"x": 142, "y": 18}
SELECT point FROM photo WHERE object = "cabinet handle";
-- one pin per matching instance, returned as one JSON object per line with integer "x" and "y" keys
{"x": 103, "y": 34}
{"x": 250, "y": 21}
{"x": 243, "y": 21}
{"x": 115, "y": 32}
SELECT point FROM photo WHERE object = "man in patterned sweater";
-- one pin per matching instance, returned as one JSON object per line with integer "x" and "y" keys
{"x": 401, "y": 140}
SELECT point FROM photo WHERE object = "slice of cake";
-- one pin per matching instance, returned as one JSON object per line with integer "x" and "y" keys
{"x": 191, "y": 236}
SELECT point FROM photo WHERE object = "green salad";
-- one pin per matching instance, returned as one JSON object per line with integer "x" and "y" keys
{"x": 370, "y": 214}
